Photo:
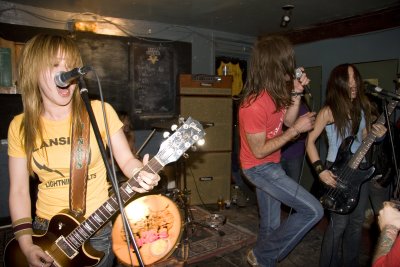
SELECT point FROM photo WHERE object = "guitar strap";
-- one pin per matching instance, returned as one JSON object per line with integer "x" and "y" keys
{"x": 80, "y": 150}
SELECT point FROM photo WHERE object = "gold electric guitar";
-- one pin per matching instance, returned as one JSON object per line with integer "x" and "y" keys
{"x": 66, "y": 239}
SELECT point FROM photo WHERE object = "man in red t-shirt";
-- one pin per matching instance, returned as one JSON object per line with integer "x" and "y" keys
{"x": 270, "y": 99}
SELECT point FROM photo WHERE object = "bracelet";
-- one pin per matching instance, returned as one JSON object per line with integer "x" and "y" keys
{"x": 318, "y": 166}
{"x": 22, "y": 227}
{"x": 380, "y": 139}
{"x": 294, "y": 93}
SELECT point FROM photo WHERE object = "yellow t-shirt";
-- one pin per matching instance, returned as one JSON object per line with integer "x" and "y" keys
{"x": 53, "y": 168}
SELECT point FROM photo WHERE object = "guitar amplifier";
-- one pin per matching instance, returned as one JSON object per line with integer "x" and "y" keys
{"x": 208, "y": 176}
{"x": 208, "y": 99}
{"x": 201, "y": 84}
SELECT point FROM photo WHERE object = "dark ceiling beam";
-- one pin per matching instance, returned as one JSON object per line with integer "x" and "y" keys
{"x": 369, "y": 22}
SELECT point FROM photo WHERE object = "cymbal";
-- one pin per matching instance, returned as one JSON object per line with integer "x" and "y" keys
{"x": 166, "y": 124}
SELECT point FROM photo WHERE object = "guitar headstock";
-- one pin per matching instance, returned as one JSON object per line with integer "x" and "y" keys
{"x": 190, "y": 132}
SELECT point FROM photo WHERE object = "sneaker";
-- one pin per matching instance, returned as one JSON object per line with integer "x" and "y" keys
{"x": 251, "y": 258}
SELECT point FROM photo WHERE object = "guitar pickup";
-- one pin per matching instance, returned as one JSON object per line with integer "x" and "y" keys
{"x": 66, "y": 248}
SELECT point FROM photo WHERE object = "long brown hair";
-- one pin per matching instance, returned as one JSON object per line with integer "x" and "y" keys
{"x": 271, "y": 69}
{"x": 345, "y": 111}
{"x": 39, "y": 55}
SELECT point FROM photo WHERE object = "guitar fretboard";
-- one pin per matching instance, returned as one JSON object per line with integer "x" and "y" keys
{"x": 103, "y": 214}
{"x": 370, "y": 139}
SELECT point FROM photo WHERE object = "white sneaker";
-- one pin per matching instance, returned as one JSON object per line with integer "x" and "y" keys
{"x": 251, "y": 258}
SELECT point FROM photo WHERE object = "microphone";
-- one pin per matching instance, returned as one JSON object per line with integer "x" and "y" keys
{"x": 379, "y": 92}
{"x": 297, "y": 73}
{"x": 63, "y": 79}
{"x": 372, "y": 89}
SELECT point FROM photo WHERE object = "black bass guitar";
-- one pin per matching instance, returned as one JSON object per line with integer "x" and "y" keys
{"x": 66, "y": 239}
{"x": 344, "y": 198}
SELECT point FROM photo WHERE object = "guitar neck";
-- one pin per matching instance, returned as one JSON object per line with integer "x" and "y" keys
{"x": 170, "y": 150}
{"x": 370, "y": 139}
{"x": 103, "y": 214}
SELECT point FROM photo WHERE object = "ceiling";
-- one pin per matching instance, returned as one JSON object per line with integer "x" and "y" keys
{"x": 247, "y": 17}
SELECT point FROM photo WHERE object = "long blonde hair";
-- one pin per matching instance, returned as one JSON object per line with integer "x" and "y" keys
{"x": 39, "y": 55}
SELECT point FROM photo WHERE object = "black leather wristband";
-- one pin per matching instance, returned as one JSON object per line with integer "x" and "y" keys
{"x": 318, "y": 166}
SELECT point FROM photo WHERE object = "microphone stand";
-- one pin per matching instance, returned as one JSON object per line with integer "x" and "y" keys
{"x": 85, "y": 97}
{"x": 389, "y": 130}
{"x": 386, "y": 95}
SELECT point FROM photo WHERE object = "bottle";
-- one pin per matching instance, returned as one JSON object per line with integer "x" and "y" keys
{"x": 234, "y": 193}
{"x": 220, "y": 203}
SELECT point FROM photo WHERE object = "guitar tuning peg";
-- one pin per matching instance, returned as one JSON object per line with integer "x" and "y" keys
{"x": 185, "y": 155}
{"x": 181, "y": 120}
{"x": 166, "y": 134}
{"x": 201, "y": 142}
{"x": 193, "y": 148}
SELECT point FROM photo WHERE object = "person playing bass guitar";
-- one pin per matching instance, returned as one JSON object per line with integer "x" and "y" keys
{"x": 346, "y": 113}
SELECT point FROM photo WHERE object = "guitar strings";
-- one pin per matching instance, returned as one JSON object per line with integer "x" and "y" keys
{"x": 347, "y": 172}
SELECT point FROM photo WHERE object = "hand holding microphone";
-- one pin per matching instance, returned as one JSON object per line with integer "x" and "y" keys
{"x": 298, "y": 74}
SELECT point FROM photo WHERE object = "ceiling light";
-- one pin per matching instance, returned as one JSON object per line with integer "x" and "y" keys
{"x": 86, "y": 26}
{"x": 286, "y": 18}
{"x": 286, "y": 15}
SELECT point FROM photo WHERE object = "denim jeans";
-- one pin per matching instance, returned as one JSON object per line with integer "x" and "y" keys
{"x": 343, "y": 235}
{"x": 100, "y": 241}
{"x": 275, "y": 239}
{"x": 293, "y": 167}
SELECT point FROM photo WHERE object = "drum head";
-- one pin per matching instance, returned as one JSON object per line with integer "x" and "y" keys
{"x": 157, "y": 227}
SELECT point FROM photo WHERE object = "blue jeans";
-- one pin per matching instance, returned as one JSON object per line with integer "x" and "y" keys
{"x": 293, "y": 167}
{"x": 100, "y": 241}
{"x": 275, "y": 239}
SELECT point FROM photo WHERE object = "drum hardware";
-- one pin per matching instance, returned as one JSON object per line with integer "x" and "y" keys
{"x": 215, "y": 220}
{"x": 183, "y": 199}
{"x": 153, "y": 223}
{"x": 181, "y": 195}
{"x": 145, "y": 143}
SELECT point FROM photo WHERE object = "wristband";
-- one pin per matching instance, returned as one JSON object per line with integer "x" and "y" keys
{"x": 380, "y": 139}
{"x": 318, "y": 166}
{"x": 22, "y": 226}
{"x": 294, "y": 93}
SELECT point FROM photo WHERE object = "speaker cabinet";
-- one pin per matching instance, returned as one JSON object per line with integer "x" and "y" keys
{"x": 208, "y": 100}
{"x": 208, "y": 176}
{"x": 215, "y": 113}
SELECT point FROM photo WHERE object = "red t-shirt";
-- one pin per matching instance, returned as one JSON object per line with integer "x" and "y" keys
{"x": 392, "y": 259}
{"x": 259, "y": 116}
